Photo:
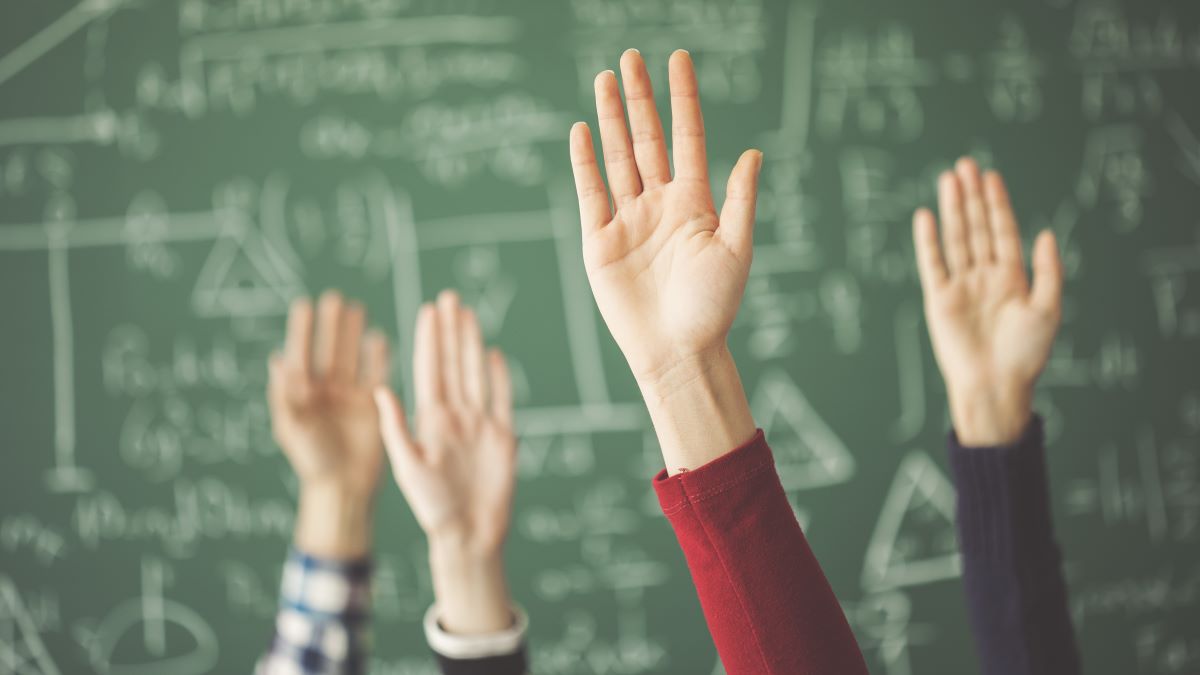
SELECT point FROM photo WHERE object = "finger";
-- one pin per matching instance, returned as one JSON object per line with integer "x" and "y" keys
{"x": 329, "y": 319}
{"x": 930, "y": 266}
{"x": 350, "y": 331}
{"x": 376, "y": 360}
{"x": 976, "y": 211}
{"x": 741, "y": 196}
{"x": 594, "y": 210}
{"x": 427, "y": 359}
{"x": 1047, "y": 275}
{"x": 298, "y": 344}
{"x": 393, "y": 427}
{"x": 285, "y": 386}
{"x": 687, "y": 123}
{"x": 649, "y": 146}
{"x": 1006, "y": 237}
{"x": 474, "y": 375}
{"x": 954, "y": 226}
{"x": 451, "y": 363}
{"x": 623, "y": 178}
{"x": 500, "y": 382}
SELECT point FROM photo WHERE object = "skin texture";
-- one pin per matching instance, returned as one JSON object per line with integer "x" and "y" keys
{"x": 457, "y": 468}
{"x": 323, "y": 418}
{"x": 666, "y": 270}
{"x": 991, "y": 328}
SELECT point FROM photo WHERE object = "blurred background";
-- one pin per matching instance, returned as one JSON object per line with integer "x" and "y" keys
{"x": 173, "y": 172}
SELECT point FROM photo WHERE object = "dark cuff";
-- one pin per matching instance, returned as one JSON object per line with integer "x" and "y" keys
{"x": 508, "y": 664}
{"x": 1003, "y": 496}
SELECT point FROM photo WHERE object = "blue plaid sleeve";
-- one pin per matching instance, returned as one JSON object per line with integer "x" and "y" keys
{"x": 322, "y": 625}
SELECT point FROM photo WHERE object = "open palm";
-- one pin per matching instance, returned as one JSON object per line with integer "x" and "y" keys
{"x": 322, "y": 414}
{"x": 667, "y": 272}
{"x": 991, "y": 330}
{"x": 458, "y": 470}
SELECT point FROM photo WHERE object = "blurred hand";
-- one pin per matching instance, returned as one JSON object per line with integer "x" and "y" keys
{"x": 667, "y": 272}
{"x": 458, "y": 469}
{"x": 323, "y": 418}
{"x": 991, "y": 330}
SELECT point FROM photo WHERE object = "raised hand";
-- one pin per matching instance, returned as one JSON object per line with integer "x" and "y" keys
{"x": 667, "y": 272}
{"x": 991, "y": 330}
{"x": 323, "y": 418}
{"x": 458, "y": 469}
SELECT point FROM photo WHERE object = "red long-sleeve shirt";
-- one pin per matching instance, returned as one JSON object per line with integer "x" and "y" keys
{"x": 740, "y": 538}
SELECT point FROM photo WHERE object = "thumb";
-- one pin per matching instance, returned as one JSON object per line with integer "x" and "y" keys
{"x": 741, "y": 197}
{"x": 1047, "y": 275}
{"x": 393, "y": 426}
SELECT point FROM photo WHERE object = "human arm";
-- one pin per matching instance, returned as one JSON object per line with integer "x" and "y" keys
{"x": 323, "y": 418}
{"x": 768, "y": 605}
{"x": 668, "y": 274}
{"x": 992, "y": 331}
{"x": 457, "y": 470}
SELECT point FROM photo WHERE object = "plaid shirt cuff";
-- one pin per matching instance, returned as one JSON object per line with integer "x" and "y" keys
{"x": 321, "y": 628}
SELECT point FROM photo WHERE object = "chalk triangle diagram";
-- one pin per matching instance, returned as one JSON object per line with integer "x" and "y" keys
{"x": 21, "y": 647}
{"x": 244, "y": 276}
{"x": 914, "y": 539}
{"x": 807, "y": 452}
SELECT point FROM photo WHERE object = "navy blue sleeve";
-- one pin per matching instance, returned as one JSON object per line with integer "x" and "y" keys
{"x": 1012, "y": 567}
{"x": 508, "y": 664}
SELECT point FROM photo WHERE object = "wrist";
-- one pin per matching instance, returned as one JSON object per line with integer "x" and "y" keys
{"x": 333, "y": 521}
{"x": 456, "y": 545}
{"x": 699, "y": 409}
{"x": 986, "y": 416}
{"x": 470, "y": 586}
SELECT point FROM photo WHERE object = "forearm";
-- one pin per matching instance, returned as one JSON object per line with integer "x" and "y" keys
{"x": 323, "y": 620}
{"x": 334, "y": 523}
{"x": 1017, "y": 597}
{"x": 767, "y": 602}
{"x": 698, "y": 408}
{"x": 470, "y": 588}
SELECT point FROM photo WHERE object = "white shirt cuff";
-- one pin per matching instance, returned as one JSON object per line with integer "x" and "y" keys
{"x": 454, "y": 646}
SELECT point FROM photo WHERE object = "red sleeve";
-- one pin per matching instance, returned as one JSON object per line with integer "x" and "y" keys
{"x": 768, "y": 605}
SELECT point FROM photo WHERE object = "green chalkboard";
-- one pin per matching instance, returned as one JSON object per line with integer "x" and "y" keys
{"x": 173, "y": 171}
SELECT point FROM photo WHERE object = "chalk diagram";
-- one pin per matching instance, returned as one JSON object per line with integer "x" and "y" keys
{"x": 100, "y": 126}
{"x": 883, "y": 625}
{"x": 97, "y": 127}
{"x": 240, "y": 275}
{"x": 807, "y": 452}
{"x": 150, "y": 634}
{"x": 21, "y": 647}
{"x": 1170, "y": 270}
{"x": 244, "y": 276}
{"x": 914, "y": 539}
{"x": 58, "y": 238}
